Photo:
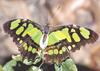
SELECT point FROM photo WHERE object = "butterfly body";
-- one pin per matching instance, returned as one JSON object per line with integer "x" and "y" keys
{"x": 55, "y": 45}
{"x": 44, "y": 41}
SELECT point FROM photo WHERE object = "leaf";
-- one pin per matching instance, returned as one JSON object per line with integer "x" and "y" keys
{"x": 68, "y": 65}
{"x": 9, "y": 66}
{"x": 17, "y": 57}
{"x": 13, "y": 63}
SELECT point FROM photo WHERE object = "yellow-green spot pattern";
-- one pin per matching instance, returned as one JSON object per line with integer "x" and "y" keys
{"x": 33, "y": 50}
{"x": 30, "y": 27}
{"x": 84, "y": 32}
{"x": 76, "y": 37}
{"x": 25, "y": 46}
{"x": 66, "y": 33}
{"x": 61, "y": 52}
{"x": 29, "y": 48}
{"x": 15, "y": 24}
{"x": 20, "y": 30}
{"x": 50, "y": 52}
{"x": 55, "y": 51}
{"x": 25, "y": 24}
{"x": 73, "y": 45}
{"x": 20, "y": 41}
{"x": 64, "y": 49}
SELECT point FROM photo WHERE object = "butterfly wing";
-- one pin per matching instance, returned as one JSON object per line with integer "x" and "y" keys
{"x": 65, "y": 39}
{"x": 26, "y": 34}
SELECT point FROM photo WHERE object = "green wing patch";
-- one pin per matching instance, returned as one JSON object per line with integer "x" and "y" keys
{"x": 15, "y": 24}
{"x": 26, "y": 34}
{"x": 58, "y": 36}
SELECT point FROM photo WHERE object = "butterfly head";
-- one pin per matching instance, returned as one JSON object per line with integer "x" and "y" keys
{"x": 46, "y": 29}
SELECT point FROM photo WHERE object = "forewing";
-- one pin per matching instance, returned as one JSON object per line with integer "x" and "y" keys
{"x": 65, "y": 39}
{"x": 26, "y": 34}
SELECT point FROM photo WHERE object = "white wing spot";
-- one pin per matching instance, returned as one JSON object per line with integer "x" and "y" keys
{"x": 69, "y": 47}
{"x": 74, "y": 25}
{"x": 72, "y": 30}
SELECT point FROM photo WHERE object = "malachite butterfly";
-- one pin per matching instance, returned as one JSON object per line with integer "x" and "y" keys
{"x": 55, "y": 45}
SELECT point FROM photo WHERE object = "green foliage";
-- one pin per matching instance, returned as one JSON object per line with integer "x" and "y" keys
{"x": 67, "y": 65}
{"x": 9, "y": 66}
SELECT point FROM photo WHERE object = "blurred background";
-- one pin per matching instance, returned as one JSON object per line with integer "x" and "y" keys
{"x": 59, "y": 12}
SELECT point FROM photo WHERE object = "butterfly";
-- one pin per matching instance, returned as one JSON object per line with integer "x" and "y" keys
{"x": 55, "y": 45}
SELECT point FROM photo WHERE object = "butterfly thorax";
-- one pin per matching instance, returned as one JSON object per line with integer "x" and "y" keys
{"x": 44, "y": 38}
